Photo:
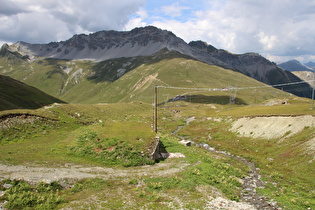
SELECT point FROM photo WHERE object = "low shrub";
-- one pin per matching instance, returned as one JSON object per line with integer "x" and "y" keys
{"x": 22, "y": 195}
{"x": 109, "y": 151}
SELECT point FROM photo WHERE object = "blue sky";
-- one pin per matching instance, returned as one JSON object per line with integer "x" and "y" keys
{"x": 182, "y": 10}
{"x": 277, "y": 29}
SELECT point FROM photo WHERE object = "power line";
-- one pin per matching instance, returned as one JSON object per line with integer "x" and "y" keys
{"x": 234, "y": 88}
{"x": 219, "y": 89}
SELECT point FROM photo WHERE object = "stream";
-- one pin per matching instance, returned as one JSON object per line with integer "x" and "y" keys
{"x": 249, "y": 184}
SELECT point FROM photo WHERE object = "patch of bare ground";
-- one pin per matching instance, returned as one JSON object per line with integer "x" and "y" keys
{"x": 272, "y": 127}
{"x": 34, "y": 174}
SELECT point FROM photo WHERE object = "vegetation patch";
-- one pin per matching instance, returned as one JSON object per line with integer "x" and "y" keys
{"x": 24, "y": 126}
{"x": 109, "y": 151}
{"x": 21, "y": 195}
{"x": 286, "y": 167}
{"x": 205, "y": 171}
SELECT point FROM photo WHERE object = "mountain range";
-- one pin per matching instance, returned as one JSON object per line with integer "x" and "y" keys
{"x": 92, "y": 65}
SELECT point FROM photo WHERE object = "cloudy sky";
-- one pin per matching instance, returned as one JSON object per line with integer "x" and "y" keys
{"x": 277, "y": 29}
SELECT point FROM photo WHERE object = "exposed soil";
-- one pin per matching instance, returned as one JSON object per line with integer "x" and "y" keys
{"x": 272, "y": 127}
{"x": 34, "y": 174}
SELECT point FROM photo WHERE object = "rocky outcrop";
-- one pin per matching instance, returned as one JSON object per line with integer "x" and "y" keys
{"x": 106, "y": 45}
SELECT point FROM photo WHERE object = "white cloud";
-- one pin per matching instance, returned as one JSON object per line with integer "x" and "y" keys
{"x": 53, "y": 20}
{"x": 134, "y": 23}
{"x": 275, "y": 27}
{"x": 174, "y": 10}
{"x": 268, "y": 42}
{"x": 137, "y": 20}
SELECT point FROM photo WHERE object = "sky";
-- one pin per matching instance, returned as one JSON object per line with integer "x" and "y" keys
{"x": 279, "y": 30}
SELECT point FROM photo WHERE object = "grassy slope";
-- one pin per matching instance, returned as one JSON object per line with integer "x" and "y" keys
{"x": 45, "y": 143}
{"x": 48, "y": 144}
{"x": 287, "y": 166}
{"x": 61, "y": 125}
{"x": 17, "y": 95}
{"x": 90, "y": 83}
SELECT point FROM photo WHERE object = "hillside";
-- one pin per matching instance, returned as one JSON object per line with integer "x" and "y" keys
{"x": 132, "y": 79}
{"x": 148, "y": 41}
{"x": 17, "y": 95}
{"x": 240, "y": 168}
{"x": 307, "y": 76}
{"x": 302, "y": 71}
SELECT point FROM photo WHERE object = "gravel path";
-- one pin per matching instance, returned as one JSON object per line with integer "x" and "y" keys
{"x": 35, "y": 174}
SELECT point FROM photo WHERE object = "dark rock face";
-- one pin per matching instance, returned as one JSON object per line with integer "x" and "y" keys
{"x": 104, "y": 45}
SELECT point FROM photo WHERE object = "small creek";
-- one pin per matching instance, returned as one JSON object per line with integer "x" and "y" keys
{"x": 249, "y": 184}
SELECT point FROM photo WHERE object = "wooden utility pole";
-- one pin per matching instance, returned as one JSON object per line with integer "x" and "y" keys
{"x": 313, "y": 90}
{"x": 155, "y": 110}
{"x": 313, "y": 97}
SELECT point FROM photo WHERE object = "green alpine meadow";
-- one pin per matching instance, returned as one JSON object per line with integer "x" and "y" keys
{"x": 151, "y": 123}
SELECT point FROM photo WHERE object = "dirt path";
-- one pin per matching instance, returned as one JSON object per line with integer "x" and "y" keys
{"x": 34, "y": 174}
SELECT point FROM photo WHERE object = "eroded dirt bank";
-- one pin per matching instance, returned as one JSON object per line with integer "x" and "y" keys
{"x": 272, "y": 127}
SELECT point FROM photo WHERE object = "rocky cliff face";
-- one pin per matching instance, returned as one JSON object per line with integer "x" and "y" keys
{"x": 149, "y": 40}
{"x": 106, "y": 45}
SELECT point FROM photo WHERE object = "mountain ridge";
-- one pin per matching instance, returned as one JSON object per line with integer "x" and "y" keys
{"x": 147, "y": 41}
{"x": 104, "y": 45}
{"x": 295, "y": 65}
{"x": 310, "y": 64}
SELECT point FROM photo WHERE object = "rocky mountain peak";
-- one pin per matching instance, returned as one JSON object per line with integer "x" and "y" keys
{"x": 201, "y": 45}
{"x": 294, "y": 65}
{"x": 105, "y": 45}
{"x": 4, "y": 46}
{"x": 147, "y": 41}
{"x": 4, "y": 49}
